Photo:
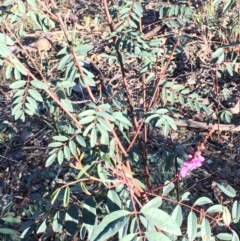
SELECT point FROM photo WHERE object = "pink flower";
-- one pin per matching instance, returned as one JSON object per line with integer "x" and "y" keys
{"x": 191, "y": 164}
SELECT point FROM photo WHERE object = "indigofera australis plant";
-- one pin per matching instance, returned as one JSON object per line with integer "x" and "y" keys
{"x": 109, "y": 174}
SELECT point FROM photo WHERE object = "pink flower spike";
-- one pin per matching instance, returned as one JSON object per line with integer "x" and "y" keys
{"x": 191, "y": 164}
{"x": 200, "y": 157}
{"x": 184, "y": 172}
{"x": 196, "y": 164}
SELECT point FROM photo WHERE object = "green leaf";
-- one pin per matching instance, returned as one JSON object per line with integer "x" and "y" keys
{"x": 55, "y": 195}
{"x": 202, "y": 200}
{"x": 113, "y": 201}
{"x": 205, "y": 229}
{"x": 83, "y": 48}
{"x": 137, "y": 8}
{"x": 165, "y": 129}
{"x": 72, "y": 147}
{"x": 173, "y": 23}
{"x": 172, "y": 97}
{"x": 27, "y": 232}
{"x": 93, "y": 139}
{"x": 178, "y": 87}
{"x": 110, "y": 224}
{"x": 185, "y": 91}
{"x": 171, "y": 122}
{"x": 162, "y": 220}
{"x": 20, "y": 32}
{"x": 63, "y": 51}
{"x": 106, "y": 115}
{"x": 38, "y": 84}
{"x": 235, "y": 236}
{"x": 57, "y": 222}
{"x": 67, "y": 104}
{"x": 32, "y": 102}
{"x": 215, "y": 209}
{"x": 155, "y": 236}
{"x": 29, "y": 109}
{"x": 71, "y": 220}
{"x": 6, "y": 39}
{"x": 66, "y": 196}
{"x": 53, "y": 151}
{"x": 228, "y": 190}
{"x": 224, "y": 236}
{"x": 35, "y": 94}
{"x": 17, "y": 74}
{"x": 181, "y": 99}
{"x": 192, "y": 226}
{"x": 177, "y": 215}
{"x": 65, "y": 60}
{"x": 9, "y": 231}
{"x": 18, "y": 115}
{"x": 190, "y": 103}
{"x": 42, "y": 228}
{"x": 4, "y": 51}
{"x": 19, "y": 93}
{"x": 207, "y": 109}
{"x": 17, "y": 84}
{"x": 169, "y": 84}
{"x": 11, "y": 220}
{"x": 21, "y": 7}
{"x": 50, "y": 160}
{"x": 162, "y": 111}
{"x": 217, "y": 53}
{"x": 236, "y": 211}
{"x": 227, "y": 117}
{"x": 154, "y": 203}
{"x": 55, "y": 144}
{"x": 164, "y": 95}
{"x": 227, "y": 6}
{"x": 8, "y": 2}
{"x": 19, "y": 66}
{"x": 226, "y": 216}
{"x": 66, "y": 84}
{"x": 16, "y": 108}
{"x": 32, "y": 3}
{"x": 7, "y": 207}
{"x": 60, "y": 138}
{"x": 168, "y": 187}
{"x": 87, "y": 119}
{"x": 104, "y": 124}
{"x": 87, "y": 113}
{"x": 104, "y": 144}
{"x": 221, "y": 58}
{"x": 102, "y": 129}
{"x": 121, "y": 118}
{"x": 21, "y": 116}
{"x": 18, "y": 100}
{"x": 150, "y": 78}
{"x": 81, "y": 141}
{"x": 8, "y": 72}
{"x": 60, "y": 157}
{"x": 66, "y": 152}
{"x": 133, "y": 227}
{"x": 90, "y": 81}
{"x": 133, "y": 25}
